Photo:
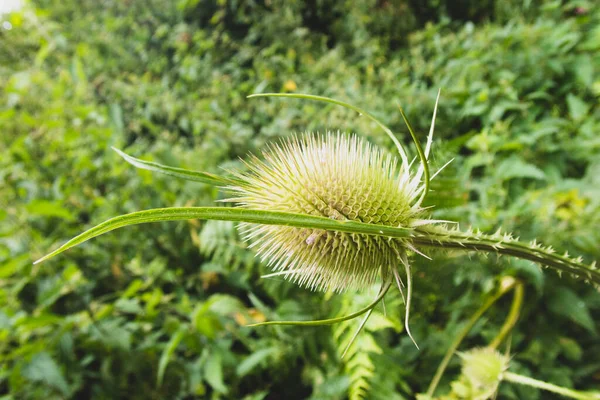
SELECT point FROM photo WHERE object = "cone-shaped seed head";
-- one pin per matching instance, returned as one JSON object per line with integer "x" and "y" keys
{"x": 334, "y": 176}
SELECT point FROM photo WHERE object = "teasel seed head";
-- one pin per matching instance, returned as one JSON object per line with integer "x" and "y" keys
{"x": 337, "y": 176}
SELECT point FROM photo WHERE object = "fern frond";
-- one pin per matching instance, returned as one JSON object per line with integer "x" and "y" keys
{"x": 219, "y": 240}
{"x": 358, "y": 359}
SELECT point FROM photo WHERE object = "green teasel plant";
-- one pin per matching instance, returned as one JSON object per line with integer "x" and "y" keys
{"x": 331, "y": 212}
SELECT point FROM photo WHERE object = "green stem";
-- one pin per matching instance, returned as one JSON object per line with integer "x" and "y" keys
{"x": 524, "y": 380}
{"x": 463, "y": 333}
{"x": 510, "y": 247}
{"x": 512, "y": 317}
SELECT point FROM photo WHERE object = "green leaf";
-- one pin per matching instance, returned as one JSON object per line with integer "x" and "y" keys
{"x": 515, "y": 167}
{"x": 14, "y": 265}
{"x": 42, "y": 368}
{"x": 566, "y": 303}
{"x": 182, "y": 173}
{"x": 531, "y": 272}
{"x": 112, "y": 334}
{"x": 116, "y": 117}
{"x": 129, "y": 306}
{"x": 584, "y": 70}
{"x": 205, "y": 321}
{"x": 254, "y": 359}
{"x": 167, "y": 353}
{"x": 47, "y": 208}
{"x": 570, "y": 348}
{"x": 577, "y": 107}
{"x": 133, "y": 288}
{"x": 39, "y": 321}
{"x": 213, "y": 372}
{"x": 230, "y": 214}
{"x": 224, "y": 304}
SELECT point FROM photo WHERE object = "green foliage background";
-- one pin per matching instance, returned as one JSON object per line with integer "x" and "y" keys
{"x": 158, "y": 311}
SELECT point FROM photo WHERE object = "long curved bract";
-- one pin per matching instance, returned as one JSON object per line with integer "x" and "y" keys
{"x": 230, "y": 214}
{"x": 385, "y": 286}
{"x": 446, "y": 239}
{"x": 422, "y": 157}
{"x": 195, "y": 176}
{"x": 324, "y": 99}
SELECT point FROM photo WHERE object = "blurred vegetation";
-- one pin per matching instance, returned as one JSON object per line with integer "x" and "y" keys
{"x": 158, "y": 311}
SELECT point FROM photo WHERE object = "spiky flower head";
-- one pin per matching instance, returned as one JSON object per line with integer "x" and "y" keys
{"x": 337, "y": 176}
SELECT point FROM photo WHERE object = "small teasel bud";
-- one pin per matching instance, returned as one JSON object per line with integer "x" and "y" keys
{"x": 483, "y": 369}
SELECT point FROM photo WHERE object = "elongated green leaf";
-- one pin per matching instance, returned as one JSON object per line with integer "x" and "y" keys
{"x": 166, "y": 355}
{"x": 43, "y": 370}
{"x": 196, "y": 176}
{"x": 566, "y": 303}
{"x": 253, "y": 361}
{"x": 213, "y": 372}
{"x": 230, "y": 214}
{"x": 387, "y": 130}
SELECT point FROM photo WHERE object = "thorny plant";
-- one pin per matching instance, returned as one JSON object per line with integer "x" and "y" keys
{"x": 333, "y": 213}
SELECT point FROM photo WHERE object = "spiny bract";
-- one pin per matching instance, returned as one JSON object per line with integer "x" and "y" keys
{"x": 338, "y": 176}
